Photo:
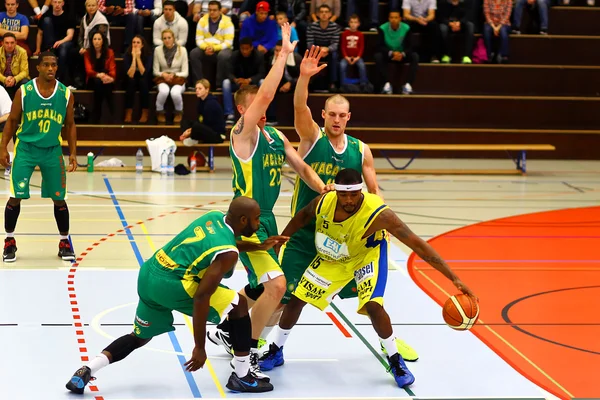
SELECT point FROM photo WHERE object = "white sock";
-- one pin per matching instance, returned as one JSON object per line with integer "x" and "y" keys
{"x": 241, "y": 365}
{"x": 265, "y": 333}
{"x": 10, "y": 235}
{"x": 37, "y": 10}
{"x": 281, "y": 336}
{"x": 390, "y": 345}
{"x": 98, "y": 363}
{"x": 63, "y": 237}
{"x": 45, "y": 8}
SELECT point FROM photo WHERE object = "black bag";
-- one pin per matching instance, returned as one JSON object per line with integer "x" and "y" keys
{"x": 81, "y": 114}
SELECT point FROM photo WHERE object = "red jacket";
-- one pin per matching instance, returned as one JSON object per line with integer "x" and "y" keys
{"x": 352, "y": 44}
{"x": 109, "y": 65}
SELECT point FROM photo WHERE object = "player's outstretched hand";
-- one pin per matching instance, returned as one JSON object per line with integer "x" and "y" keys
{"x": 4, "y": 158}
{"x": 287, "y": 46}
{"x": 197, "y": 361}
{"x": 465, "y": 289}
{"x": 310, "y": 63}
{"x": 72, "y": 163}
{"x": 274, "y": 241}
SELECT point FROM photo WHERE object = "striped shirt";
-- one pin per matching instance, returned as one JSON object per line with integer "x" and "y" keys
{"x": 497, "y": 12}
{"x": 222, "y": 38}
{"x": 328, "y": 37}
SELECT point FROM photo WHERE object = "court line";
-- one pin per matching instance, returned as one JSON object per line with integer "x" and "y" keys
{"x": 175, "y": 343}
{"x": 384, "y": 398}
{"x": 186, "y": 318}
{"x": 337, "y": 323}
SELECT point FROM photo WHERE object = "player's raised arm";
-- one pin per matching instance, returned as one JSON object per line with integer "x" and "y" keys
{"x": 302, "y": 218}
{"x": 369, "y": 172}
{"x": 209, "y": 283}
{"x": 246, "y": 125}
{"x": 307, "y": 174}
{"x": 389, "y": 221}
{"x": 71, "y": 130}
{"x": 10, "y": 127}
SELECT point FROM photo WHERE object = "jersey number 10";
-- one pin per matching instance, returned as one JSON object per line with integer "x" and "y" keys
{"x": 44, "y": 125}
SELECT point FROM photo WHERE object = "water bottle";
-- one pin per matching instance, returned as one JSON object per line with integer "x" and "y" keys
{"x": 163, "y": 162}
{"x": 193, "y": 163}
{"x": 139, "y": 161}
{"x": 90, "y": 162}
{"x": 171, "y": 162}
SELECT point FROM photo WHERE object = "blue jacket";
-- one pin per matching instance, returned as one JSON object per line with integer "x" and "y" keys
{"x": 264, "y": 34}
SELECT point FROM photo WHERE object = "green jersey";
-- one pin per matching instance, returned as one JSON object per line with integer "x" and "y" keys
{"x": 188, "y": 255}
{"x": 43, "y": 118}
{"x": 326, "y": 162}
{"x": 259, "y": 176}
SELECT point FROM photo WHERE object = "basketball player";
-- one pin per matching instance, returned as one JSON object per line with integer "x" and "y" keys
{"x": 40, "y": 109}
{"x": 257, "y": 154}
{"x": 351, "y": 242}
{"x": 185, "y": 275}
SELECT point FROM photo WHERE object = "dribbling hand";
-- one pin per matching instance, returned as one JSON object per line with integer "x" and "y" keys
{"x": 197, "y": 361}
{"x": 72, "y": 163}
{"x": 310, "y": 63}
{"x": 464, "y": 288}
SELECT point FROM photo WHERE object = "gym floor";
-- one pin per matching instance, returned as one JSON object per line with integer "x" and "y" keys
{"x": 526, "y": 245}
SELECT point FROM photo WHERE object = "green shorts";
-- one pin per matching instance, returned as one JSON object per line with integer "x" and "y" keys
{"x": 160, "y": 293}
{"x": 52, "y": 166}
{"x": 262, "y": 265}
{"x": 296, "y": 255}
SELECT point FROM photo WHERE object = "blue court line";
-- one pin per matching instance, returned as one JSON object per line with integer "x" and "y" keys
{"x": 522, "y": 261}
{"x": 140, "y": 259}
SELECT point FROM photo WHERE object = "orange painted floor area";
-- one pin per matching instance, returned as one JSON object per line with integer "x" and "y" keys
{"x": 538, "y": 280}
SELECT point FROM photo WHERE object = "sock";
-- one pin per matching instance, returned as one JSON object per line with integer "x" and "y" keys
{"x": 37, "y": 10}
{"x": 61, "y": 215}
{"x": 98, "y": 363}
{"x": 390, "y": 345}
{"x": 241, "y": 365}
{"x": 281, "y": 336}
{"x": 265, "y": 333}
{"x": 10, "y": 235}
{"x": 45, "y": 8}
{"x": 11, "y": 214}
{"x": 64, "y": 237}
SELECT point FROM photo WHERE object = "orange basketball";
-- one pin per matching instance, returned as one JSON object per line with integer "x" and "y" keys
{"x": 460, "y": 312}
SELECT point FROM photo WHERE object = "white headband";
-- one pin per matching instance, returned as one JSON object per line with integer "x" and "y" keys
{"x": 348, "y": 188}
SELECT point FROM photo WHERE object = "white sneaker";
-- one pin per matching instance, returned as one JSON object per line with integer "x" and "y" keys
{"x": 255, "y": 368}
{"x": 387, "y": 88}
{"x": 407, "y": 89}
{"x": 71, "y": 88}
{"x": 591, "y": 3}
{"x": 566, "y": 2}
{"x": 220, "y": 338}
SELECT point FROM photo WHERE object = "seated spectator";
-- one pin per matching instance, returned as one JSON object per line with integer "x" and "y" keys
{"x": 542, "y": 6}
{"x": 454, "y": 18}
{"x": 182, "y": 7}
{"x": 172, "y": 21}
{"x": 55, "y": 32}
{"x": 101, "y": 72}
{"x": 288, "y": 81}
{"x": 282, "y": 18}
{"x": 395, "y": 47}
{"x": 145, "y": 12}
{"x": 326, "y": 34}
{"x": 38, "y": 12}
{"x": 260, "y": 28}
{"x": 249, "y": 6}
{"x": 214, "y": 38}
{"x": 296, "y": 13}
{"x": 92, "y": 22}
{"x": 170, "y": 69}
{"x": 137, "y": 63}
{"x": 120, "y": 13}
{"x": 420, "y": 16}
{"x": 14, "y": 64}
{"x": 5, "y": 107}
{"x": 497, "y": 25}
{"x": 210, "y": 125}
{"x": 352, "y": 47}
{"x": 335, "y": 8}
{"x": 246, "y": 67}
{"x": 12, "y": 21}
{"x": 373, "y": 10}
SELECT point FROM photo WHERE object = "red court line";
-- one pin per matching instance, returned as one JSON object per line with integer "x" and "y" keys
{"x": 339, "y": 325}
{"x": 565, "y": 298}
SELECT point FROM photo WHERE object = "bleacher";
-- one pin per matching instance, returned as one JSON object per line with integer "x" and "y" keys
{"x": 548, "y": 94}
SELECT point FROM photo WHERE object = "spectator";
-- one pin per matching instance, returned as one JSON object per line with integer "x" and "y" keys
{"x": 282, "y": 18}
{"x": 335, "y": 8}
{"x": 352, "y": 46}
{"x": 12, "y": 21}
{"x": 120, "y": 13}
{"x": 261, "y": 29}
{"x": 14, "y": 64}
{"x": 296, "y": 13}
{"x": 454, "y": 18}
{"x": 395, "y": 46}
{"x": 497, "y": 24}
{"x": 182, "y": 6}
{"x": 172, "y": 21}
{"x": 288, "y": 81}
{"x": 138, "y": 70}
{"x": 420, "y": 16}
{"x": 214, "y": 38}
{"x": 226, "y": 6}
{"x": 5, "y": 106}
{"x": 246, "y": 67}
{"x": 55, "y": 32}
{"x": 101, "y": 72}
{"x": 37, "y": 10}
{"x": 249, "y": 6}
{"x": 145, "y": 12}
{"x": 170, "y": 68}
{"x": 92, "y": 22}
{"x": 542, "y": 6}
{"x": 210, "y": 125}
{"x": 326, "y": 34}
{"x": 373, "y": 10}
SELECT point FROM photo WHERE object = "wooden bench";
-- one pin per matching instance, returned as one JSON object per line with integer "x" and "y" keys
{"x": 384, "y": 148}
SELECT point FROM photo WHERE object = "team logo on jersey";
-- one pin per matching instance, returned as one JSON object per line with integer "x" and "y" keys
{"x": 364, "y": 273}
{"x": 210, "y": 228}
{"x": 141, "y": 322}
{"x": 332, "y": 245}
{"x": 338, "y": 159}
{"x": 29, "y": 88}
{"x": 21, "y": 185}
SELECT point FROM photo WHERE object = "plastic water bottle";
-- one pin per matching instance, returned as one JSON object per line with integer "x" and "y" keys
{"x": 163, "y": 162}
{"x": 193, "y": 163}
{"x": 90, "y": 162}
{"x": 139, "y": 161}
{"x": 171, "y": 162}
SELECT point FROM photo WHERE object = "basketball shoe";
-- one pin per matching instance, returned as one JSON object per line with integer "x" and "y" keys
{"x": 65, "y": 251}
{"x": 407, "y": 352}
{"x": 220, "y": 337}
{"x": 80, "y": 379}
{"x": 271, "y": 359}
{"x": 10, "y": 249}
{"x": 248, "y": 384}
{"x": 401, "y": 373}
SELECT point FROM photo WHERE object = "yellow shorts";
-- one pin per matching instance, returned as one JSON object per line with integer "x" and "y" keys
{"x": 323, "y": 279}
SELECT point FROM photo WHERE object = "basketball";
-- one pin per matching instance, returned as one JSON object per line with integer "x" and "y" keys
{"x": 460, "y": 312}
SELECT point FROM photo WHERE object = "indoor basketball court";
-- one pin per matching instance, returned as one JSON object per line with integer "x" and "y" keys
{"x": 527, "y": 246}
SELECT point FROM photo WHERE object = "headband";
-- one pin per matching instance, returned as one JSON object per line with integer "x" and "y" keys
{"x": 348, "y": 188}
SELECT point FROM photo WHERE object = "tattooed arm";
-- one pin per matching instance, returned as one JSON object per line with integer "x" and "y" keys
{"x": 389, "y": 221}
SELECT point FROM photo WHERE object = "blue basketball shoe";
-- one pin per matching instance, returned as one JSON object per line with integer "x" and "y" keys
{"x": 271, "y": 359}
{"x": 401, "y": 373}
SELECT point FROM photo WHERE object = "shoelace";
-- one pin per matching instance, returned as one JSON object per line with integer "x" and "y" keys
{"x": 396, "y": 368}
{"x": 64, "y": 244}
{"x": 254, "y": 367}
